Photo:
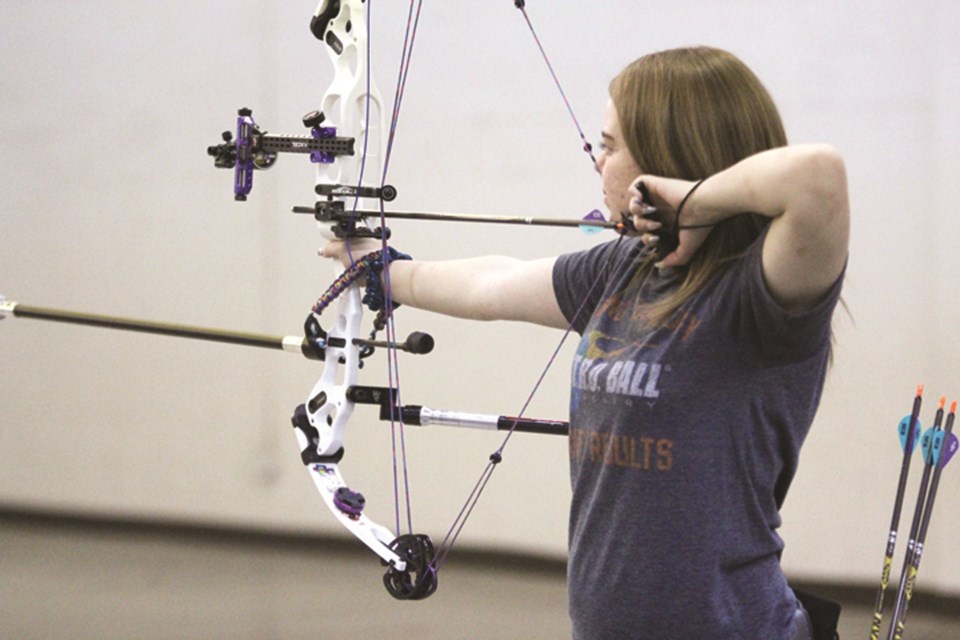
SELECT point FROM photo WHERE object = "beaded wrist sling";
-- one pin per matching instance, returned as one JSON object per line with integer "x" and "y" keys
{"x": 369, "y": 267}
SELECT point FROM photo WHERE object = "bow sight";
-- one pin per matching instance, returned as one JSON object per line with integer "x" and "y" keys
{"x": 253, "y": 148}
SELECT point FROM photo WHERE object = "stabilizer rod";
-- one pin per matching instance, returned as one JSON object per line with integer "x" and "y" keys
{"x": 294, "y": 344}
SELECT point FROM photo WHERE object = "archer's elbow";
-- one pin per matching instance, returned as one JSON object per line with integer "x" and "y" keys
{"x": 826, "y": 201}
{"x": 827, "y": 179}
{"x": 817, "y": 215}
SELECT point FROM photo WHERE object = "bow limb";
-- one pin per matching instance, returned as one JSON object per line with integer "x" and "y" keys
{"x": 330, "y": 484}
{"x": 352, "y": 102}
{"x": 320, "y": 425}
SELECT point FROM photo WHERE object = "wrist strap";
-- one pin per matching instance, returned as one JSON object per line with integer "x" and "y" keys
{"x": 373, "y": 265}
{"x": 683, "y": 202}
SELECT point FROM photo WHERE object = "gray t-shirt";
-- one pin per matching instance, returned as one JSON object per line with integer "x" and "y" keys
{"x": 683, "y": 442}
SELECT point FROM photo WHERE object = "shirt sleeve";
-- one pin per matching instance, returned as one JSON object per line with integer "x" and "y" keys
{"x": 580, "y": 279}
{"x": 783, "y": 335}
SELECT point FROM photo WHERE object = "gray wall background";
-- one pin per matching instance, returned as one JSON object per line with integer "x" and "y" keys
{"x": 110, "y": 204}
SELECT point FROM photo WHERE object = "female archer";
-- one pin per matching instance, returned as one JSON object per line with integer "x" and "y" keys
{"x": 705, "y": 339}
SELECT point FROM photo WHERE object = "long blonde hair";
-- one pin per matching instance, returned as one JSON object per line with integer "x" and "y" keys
{"x": 689, "y": 113}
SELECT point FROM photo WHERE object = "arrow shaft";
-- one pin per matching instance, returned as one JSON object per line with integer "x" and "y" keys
{"x": 469, "y": 217}
{"x": 895, "y": 518}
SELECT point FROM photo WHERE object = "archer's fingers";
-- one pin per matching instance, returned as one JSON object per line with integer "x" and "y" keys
{"x": 333, "y": 249}
{"x": 645, "y": 221}
{"x": 645, "y": 214}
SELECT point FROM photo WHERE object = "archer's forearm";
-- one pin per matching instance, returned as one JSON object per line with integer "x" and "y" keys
{"x": 803, "y": 180}
{"x": 804, "y": 190}
{"x": 483, "y": 288}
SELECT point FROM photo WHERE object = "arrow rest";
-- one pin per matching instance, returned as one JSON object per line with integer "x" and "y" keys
{"x": 350, "y": 224}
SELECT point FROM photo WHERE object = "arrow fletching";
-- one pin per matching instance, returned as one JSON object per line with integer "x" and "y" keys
{"x": 595, "y": 216}
{"x": 952, "y": 444}
{"x": 904, "y": 428}
{"x": 932, "y": 440}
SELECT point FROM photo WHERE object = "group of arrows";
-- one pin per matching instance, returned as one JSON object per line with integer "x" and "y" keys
{"x": 938, "y": 444}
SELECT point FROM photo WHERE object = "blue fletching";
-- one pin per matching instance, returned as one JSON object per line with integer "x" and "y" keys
{"x": 594, "y": 216}
{"x": 932, "y": 442}
{"x": 902, "y": 429}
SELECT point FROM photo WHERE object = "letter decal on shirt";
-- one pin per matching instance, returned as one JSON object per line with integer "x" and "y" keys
{"x": 643, "y": 453}
{"x": 651, "y": 390}
{"x": 595, "y": 371}
{"x": 621, "y": 382}
{"x": 643, "y": 384}
{"x": 664, "y": 454}
{"x": 621, "y": 377}
{"x": 587, "y": 373}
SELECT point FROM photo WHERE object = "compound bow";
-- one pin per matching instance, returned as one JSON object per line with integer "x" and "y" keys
{"x": 346, "y": 143}
{"x": 353, "y": 104}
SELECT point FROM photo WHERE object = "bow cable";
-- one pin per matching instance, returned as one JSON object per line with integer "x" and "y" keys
{"x": 398, "y": 438}
{"x": 587, "y": 147}
{"x": 443, "y": 551}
